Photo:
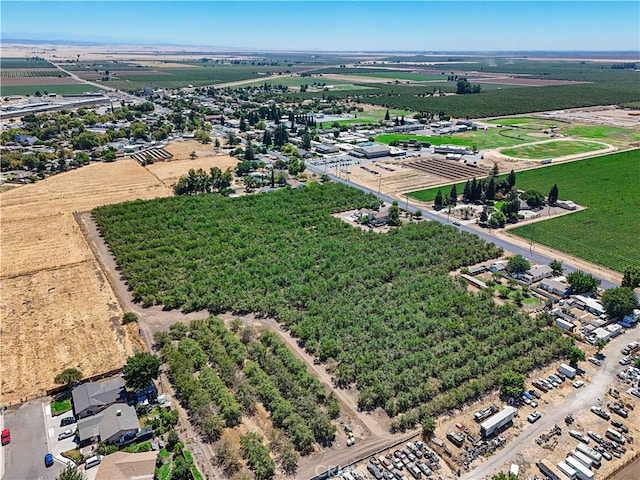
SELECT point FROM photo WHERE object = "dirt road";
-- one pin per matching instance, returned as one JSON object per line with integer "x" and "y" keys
{"x": 583, "y": 398}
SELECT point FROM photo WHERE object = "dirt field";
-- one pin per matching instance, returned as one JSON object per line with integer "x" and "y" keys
{"x": 57, "y": 309}
{"x": 169, "y": 172}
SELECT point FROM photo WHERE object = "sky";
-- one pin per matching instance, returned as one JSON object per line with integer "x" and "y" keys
{"x": 334, "y": 26}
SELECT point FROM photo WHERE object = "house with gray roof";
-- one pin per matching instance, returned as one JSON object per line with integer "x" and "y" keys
{"x": 116, "y": 424}
{"x": 91, "y": 398}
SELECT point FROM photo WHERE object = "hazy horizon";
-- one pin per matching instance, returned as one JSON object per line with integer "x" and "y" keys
{"x": 322, "y": 26}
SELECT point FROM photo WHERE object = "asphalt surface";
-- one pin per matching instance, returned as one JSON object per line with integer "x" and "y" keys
{"x": 504, "y": 244}
{"x": 24, "y": 456}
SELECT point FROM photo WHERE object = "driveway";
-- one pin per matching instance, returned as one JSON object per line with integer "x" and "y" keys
{"x": 24, "y": 456}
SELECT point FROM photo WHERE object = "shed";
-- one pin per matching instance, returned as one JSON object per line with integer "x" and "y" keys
{"x": 565, "y": 325}
{"x": 602, "y": 333}
{"x": 614, "y": 329}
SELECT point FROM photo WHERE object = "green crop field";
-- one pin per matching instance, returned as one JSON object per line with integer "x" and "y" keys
{"x": 525, "y": 122}
{"x": 554, "y": 148}
{"x": 28, "y": 63}
{"x": 59, "y": 89}
{"x": 607, "y": 232}
{"x": 391, "y": 75}
{"x": 607, "y": 186}
{"x": 606, "y": 134}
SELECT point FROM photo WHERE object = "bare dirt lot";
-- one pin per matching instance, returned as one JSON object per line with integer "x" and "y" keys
{"x": 169, "y": 172}
{"x": 57, "y": 309}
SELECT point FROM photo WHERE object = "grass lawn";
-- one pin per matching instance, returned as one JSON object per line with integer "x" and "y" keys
{"x": 557, "y": 148}
{"x": 59, "y": 89}
{"x": 524, "y": 121}
{"x": 492, "y": 138}
{"x": 164, "y": 471}
{"x": 607, "y": 134}
{"x": 607, "y": 232}
{"x": 60, "y": 406}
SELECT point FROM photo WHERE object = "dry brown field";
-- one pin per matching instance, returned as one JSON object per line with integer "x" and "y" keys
{"x": 57, "y": 308}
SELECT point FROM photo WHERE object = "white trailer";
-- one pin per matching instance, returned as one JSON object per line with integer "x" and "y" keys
{"x": 582, "y": 458}
{"x": 582, "y": 472}
{"x": 567, "y": 470}
{"x": 567, "y": 370}
{"x": 591, "y": 453}
{"x": 615, "y": 435}
{"x": 499, "y": 420}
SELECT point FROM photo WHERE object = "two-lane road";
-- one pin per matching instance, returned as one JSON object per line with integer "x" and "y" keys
{"x": 484, "y": 235}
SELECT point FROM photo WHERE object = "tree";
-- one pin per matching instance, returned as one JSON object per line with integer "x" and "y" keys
{"x": 517, "y": 264}
{"x": 428, "y": 427}
{"x": 631, "y": 278}
{"x": 466, "y": 194}
{"x": 249, "y": 155}
{"x": 600, "y": 344}
{"x": 511, "y": 179}
{"x": 129, "y": 317}
{"x": 180, "y": 469}
{"x": 212, "y": 427}
{"x": 438, "y": 202}
{"x": 71, "y": 472}
{"x": 453, "y": 196}
{"x": 553, "y": 195}
{"x": 504, "y": 476}
{"x": 140, "y": 370}
{"x": 172, "y": 440}
{"x": 495, "y": 171}
{"x": 497, "y": 220}
{"x": 533, "y": 198}
{"x": 556, "y": 267}
{"x": 484, "y": 216}
{"x": 619, "y": 302}
{"x": 512, "y": 384}
{"x": 394, "y": 215}
{"x": 490, "y": 192}
{"x": 266, "y": 138}
{"x": 386, "y": 116}
{"x": 85, "y": 141}
{"x": 280, "y": 135}
{"x": 193, "y": 155}
{"x": 69, "y": 376}
{"x": 306, "y": 141}
{"x": 582, "y": 282}
{"x": 636, "y": 362}
{"x": 575, "y": 355}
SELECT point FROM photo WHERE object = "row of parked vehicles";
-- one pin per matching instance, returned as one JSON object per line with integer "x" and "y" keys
{"x": 414, "y": 458}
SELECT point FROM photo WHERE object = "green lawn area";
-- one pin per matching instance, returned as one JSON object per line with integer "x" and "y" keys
{"x": 60, "y": 406}
{"x": 608, "y": 185}
{"x": 607, "y": 232}
{"x": 606, "y": 134}
{"x": 556, "y": 148}
{"x": 59, "y": 89}
{"x": 491, "y": 138}
{"x": 524, "y": 121}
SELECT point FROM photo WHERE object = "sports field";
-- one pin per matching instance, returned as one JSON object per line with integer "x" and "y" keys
{"x": 483, "y": 139}
{"x": 555, "y": 148}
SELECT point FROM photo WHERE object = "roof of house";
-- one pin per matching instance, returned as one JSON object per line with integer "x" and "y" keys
{"x": 89, "y": 427}
{"x": 540, "y": 270}
{"x": 127, "y": 466}
{"x": 553, "y": 284}
{"x": 112, "y": 422}
{"x": 97, "y": 394}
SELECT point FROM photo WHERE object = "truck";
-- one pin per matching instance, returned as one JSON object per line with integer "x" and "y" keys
{"x": 567, "y": 470}
{"x": 615, "y": 436}
{"x": 582, "y": 458}
{"x": 567, "y": 371}
{"x": 547, "y": 471}
{"x": 579, "y": 436}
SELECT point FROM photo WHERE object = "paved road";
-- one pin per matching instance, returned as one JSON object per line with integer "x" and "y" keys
{"x": 591, "y": 394}
{"x": 486, "y": 236}
{"x": 24, "y": 456}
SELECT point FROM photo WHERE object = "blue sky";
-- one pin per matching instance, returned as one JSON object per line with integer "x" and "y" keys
{"x": 348, "y": 26}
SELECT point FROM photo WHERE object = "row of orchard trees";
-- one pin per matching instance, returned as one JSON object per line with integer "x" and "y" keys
{"x": 220, "y": 378}
{"x": 381, "y": 308}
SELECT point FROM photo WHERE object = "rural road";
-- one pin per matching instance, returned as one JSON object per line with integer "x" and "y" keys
{"x": 500, "y": 240}
{"x": 591, "y": 394}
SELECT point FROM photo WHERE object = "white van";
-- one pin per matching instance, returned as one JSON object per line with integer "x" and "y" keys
{"x": 93, "y": 461}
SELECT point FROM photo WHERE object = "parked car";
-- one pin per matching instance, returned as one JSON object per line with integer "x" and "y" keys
{"x": 625, "y": 361}
{"x": 600, "y": 412}
{"x": 534, "y": 416}
{"x": 595, "y": 361}
{"x": 48, "y": 460}
{"x": 595, "y": 436}
{"x": 66, "y": 434}
{"x": 456, "y": 223}
{"x": 67, "y": 421}
{"x": 6, "y": 436}
{"x": 619, "y": 425}
{"x": 578, "y": 383}
{"x": 534, "y": 404}
{"x": 535, "y": 394}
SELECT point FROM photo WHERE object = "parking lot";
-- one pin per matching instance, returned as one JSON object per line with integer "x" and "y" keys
{"x": 24, "y": 456}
